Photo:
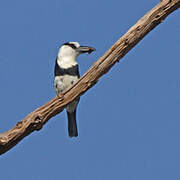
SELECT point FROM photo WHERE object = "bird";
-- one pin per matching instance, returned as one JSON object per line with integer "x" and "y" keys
{"x": 66, "y": 73}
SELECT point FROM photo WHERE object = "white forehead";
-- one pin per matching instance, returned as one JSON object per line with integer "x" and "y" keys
{"x": 67, "y": 46}
{"x": 68, "y": 49}
{"x": 75, "y": 43}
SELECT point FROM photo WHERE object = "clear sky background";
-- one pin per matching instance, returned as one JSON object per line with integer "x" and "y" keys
{"x": 129, "y": 122}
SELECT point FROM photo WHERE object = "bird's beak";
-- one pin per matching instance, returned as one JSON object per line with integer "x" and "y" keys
{"x": 85, "y": 49}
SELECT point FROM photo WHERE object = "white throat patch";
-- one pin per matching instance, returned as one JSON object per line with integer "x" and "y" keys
{"x": 66, "y": 62}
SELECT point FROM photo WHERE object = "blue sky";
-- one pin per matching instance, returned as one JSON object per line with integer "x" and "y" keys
{"x": 128, "y": 122}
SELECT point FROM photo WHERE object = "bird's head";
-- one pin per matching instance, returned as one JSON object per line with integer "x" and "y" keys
{"x": 73, "y": 49}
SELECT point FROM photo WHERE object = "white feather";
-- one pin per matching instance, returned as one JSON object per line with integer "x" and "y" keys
{"x": 67, "y": 56}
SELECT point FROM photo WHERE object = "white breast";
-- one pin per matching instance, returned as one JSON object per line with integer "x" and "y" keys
{"x": 63, "y": 82}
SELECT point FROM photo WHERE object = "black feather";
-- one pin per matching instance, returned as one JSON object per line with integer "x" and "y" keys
{"x": 70, "y": 44}
{"x": 72, "y": 71}
{"x": 72, "y": 126}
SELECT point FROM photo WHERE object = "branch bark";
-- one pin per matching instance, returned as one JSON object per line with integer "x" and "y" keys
{"x": 36, "y": 119}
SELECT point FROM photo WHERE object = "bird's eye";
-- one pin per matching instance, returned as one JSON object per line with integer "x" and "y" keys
{"x": 72, "y": 46}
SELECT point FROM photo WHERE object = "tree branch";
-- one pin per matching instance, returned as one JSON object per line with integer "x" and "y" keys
{"x": 36, "y": 119}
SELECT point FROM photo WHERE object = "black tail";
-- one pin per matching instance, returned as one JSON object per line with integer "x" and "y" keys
{"x": 72, "y": 126}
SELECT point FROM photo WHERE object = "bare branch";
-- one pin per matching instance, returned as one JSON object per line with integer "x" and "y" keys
{"x": 36, "y": 119}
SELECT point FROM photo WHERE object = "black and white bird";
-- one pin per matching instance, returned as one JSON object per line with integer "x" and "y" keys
{"x": 66, "y": 73}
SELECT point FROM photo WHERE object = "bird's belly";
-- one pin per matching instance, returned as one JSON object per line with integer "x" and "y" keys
{"x": 61, "y": 83}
